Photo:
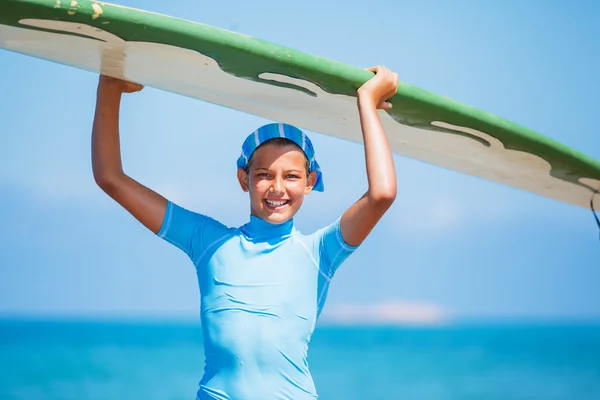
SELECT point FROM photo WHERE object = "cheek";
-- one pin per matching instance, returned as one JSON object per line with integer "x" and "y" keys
{"x": 297, "y": 188}
{"x": 258, "y": 188}
{"x": 256, "y": 182}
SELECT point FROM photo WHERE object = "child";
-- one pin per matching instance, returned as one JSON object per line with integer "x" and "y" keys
{"x": 264, "y": 284}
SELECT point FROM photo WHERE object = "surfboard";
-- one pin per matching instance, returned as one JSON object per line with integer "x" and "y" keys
{"x": 281, "y": 84}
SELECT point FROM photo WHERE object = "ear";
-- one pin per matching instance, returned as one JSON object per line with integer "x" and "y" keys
{"x": 242, "y": 179}
{"x": 310, "y": 182}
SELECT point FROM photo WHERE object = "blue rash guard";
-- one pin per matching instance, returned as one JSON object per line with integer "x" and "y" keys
{"x": 262, "y": 288}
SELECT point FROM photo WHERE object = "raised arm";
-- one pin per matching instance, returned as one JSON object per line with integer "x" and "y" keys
{"x": 145, "y": 205}
{"x": 360, "y": 219}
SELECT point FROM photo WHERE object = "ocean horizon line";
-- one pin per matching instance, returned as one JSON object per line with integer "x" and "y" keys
{"x": 175, "y": 319}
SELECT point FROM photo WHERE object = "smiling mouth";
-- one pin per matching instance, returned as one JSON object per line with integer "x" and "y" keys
{"x": 276, "y": 204}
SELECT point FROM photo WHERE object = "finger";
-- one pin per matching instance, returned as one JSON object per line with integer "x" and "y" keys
{"x": 375, "y": 69}
{"x": 391, "y": 93}
{"x": 394, "y": 86}
{"x": 386, "y": 105}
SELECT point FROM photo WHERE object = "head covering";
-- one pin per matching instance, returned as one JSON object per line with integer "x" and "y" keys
{"x": 280, "y": 130}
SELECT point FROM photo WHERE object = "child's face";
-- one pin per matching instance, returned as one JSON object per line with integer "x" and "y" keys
{"x": 277, "y": 182}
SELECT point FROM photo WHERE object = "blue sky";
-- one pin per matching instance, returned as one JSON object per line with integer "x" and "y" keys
{"x": 454, "y": 243}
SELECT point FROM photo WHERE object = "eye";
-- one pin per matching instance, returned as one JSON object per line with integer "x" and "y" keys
{"x": 292, "y": 176}
{"x": 262, "y": 175}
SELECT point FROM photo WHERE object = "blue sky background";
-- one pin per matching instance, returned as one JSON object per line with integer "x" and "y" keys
{"x": 471, "y": 248}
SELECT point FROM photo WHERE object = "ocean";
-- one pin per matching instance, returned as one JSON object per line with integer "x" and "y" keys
{"x": 151, "y": 360}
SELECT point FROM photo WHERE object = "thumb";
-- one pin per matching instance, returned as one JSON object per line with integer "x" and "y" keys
{"x": 386, "y": 105}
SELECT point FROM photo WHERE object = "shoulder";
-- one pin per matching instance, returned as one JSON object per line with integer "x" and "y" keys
{"x": 177, "y": 216}
{"x": 327, "y": 236}
{"x": 332, "y": 233}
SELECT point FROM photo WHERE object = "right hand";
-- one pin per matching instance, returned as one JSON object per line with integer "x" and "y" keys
{"x": 119, "y": 84}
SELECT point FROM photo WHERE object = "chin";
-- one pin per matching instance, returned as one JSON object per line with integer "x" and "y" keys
{"x": 278, "y": 218}
{"x": 275, "y": 217}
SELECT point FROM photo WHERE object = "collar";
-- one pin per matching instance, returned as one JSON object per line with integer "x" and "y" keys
{"x": 258, "y": 228}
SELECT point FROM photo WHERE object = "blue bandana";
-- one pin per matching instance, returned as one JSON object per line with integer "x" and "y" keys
{"x": 279, "y": 130}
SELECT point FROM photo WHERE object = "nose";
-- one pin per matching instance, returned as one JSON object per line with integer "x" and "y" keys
{"x": 277, "y": 185}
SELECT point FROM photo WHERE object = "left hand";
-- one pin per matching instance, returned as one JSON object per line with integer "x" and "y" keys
{"x": 380, "y": 88}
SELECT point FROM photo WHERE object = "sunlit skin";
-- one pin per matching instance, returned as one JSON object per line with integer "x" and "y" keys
{"x": 277, "y": 182}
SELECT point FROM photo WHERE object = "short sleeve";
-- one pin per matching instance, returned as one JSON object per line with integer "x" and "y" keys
{"x": 333, "y": 250}
{"x": 189, "y": 231}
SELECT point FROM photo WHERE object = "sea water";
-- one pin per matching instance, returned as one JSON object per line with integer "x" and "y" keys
{"x": 143, "y": 360}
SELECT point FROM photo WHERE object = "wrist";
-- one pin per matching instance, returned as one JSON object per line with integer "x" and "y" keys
{"x": 364, "y": 95}
{"x": 109, "y": 85}
{"x": 365, "y": 101}
{"x": 109, "y": 91}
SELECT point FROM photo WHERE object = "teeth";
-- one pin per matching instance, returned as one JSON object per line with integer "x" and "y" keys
{"x": 276, "y": 203}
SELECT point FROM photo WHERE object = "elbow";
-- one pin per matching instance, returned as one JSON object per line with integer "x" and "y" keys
{"x": 385, "y": 196}
{"x": 106, "y": 181}
{"x": 101, "y": 179}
